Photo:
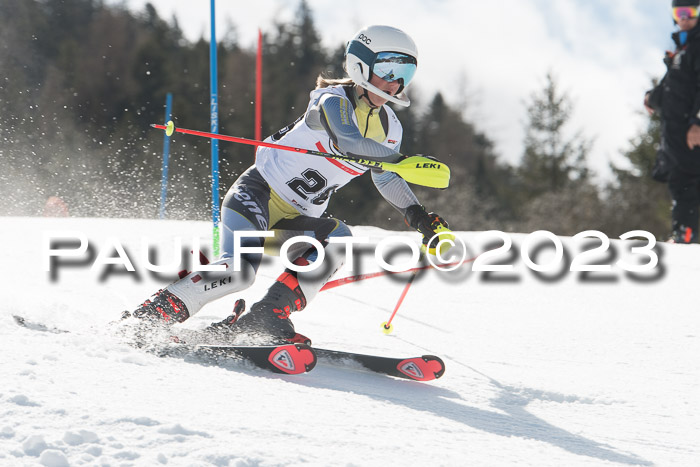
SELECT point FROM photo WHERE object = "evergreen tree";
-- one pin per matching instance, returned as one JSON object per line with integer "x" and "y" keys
{"x": 476, "y": 199}
{"x": 557, "y": 193}
{"x": 551, "y": 159}
{"x": 292, "y": 58}
{"x": 644, "y": 202}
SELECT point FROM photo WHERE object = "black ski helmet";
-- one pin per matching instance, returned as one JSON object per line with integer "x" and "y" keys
{"x": 685, "y": 3}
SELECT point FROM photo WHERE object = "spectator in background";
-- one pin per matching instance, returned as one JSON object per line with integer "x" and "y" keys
{"x": 677, "y": 100}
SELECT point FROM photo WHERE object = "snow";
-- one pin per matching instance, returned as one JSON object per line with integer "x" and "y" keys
{"x": 571, "y": 370}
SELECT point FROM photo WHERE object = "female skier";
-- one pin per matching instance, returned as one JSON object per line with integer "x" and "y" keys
{"x": 289, "y": 193}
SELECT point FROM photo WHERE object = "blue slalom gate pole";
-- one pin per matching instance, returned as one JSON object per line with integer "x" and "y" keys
{"x": 215, "y": 210}
{"x": 166, "y": 156}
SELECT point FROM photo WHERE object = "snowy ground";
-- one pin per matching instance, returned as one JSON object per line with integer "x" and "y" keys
{"x": 566, "y": 370}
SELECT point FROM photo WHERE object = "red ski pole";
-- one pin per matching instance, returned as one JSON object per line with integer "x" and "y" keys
{"x": 420, "y": 170}
{"x": 387, "y": 327}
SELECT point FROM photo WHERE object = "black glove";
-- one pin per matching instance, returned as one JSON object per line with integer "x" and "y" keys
{"x": 427, "y": 223}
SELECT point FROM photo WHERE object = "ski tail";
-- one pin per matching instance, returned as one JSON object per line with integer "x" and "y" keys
{"x": 36, "y": 326}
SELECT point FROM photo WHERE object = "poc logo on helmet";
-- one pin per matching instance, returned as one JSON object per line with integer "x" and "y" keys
{"x": 364, "y": 39}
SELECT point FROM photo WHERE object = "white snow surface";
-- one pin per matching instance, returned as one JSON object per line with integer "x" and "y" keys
{"x": 596, "y": 370}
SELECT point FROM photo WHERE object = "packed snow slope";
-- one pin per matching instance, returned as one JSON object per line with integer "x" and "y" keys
{"x": 561, "y": 368}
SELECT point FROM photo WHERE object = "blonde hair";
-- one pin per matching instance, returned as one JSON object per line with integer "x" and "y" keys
{"x": 323, "y": 82}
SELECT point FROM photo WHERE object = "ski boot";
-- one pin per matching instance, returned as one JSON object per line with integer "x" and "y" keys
{"x": 227, "y": 328}
{"x": 269, "y": 318}
{"x": 162, "y": 307}
{"x": 150, "y": 324}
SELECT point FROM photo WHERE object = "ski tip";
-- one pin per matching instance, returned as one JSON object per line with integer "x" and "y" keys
{"x": 437, "y": 363}
{"x": 309, "y": 355}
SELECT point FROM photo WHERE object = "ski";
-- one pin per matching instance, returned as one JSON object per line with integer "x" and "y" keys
{"x": 291, "y": 359}
{"x": 288, "y": 359}
{"x": 424, "y": 368}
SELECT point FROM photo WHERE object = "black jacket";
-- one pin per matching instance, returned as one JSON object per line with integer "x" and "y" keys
{"x": 677, "y": 99}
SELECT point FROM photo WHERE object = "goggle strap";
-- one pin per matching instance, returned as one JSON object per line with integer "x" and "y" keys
{"x": 362, "y": 52}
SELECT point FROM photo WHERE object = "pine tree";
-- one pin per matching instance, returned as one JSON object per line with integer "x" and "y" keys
{"x": 557, "y": 193}
{"x": 645, "y": 203}
{"x": 552, "y": 159}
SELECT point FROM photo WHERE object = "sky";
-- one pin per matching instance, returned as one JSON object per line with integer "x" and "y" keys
{"x": 488, "y": 58}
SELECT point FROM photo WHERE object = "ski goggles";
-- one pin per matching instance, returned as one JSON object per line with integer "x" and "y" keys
{"x": 394, "y": 66}
{"x": 684, "y": 12}
{"x": 389, "y": 66}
